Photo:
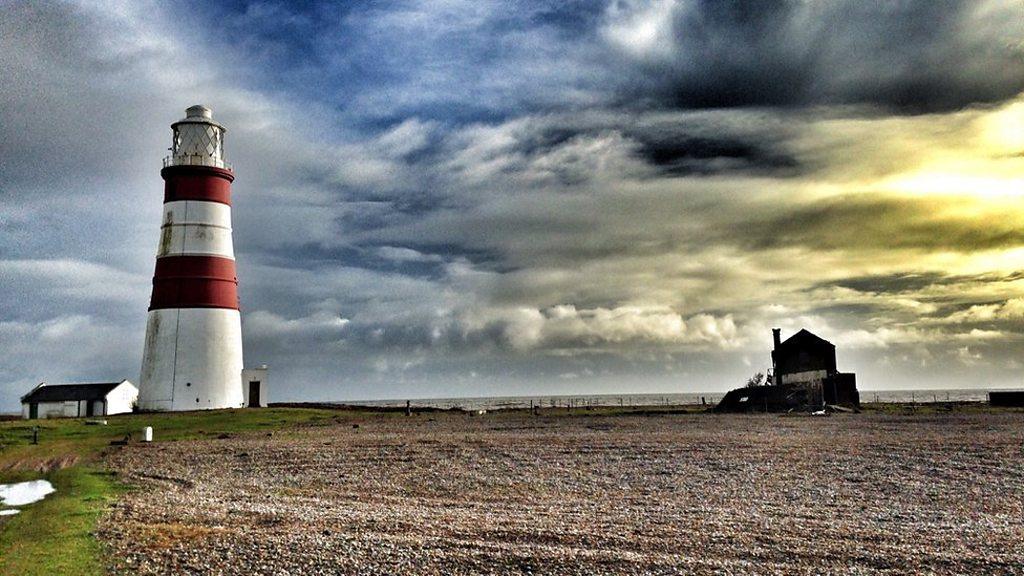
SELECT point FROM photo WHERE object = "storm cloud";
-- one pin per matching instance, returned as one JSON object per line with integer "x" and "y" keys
{"x": 907, "y": 57}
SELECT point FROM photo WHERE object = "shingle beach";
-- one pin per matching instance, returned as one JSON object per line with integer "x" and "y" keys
{"x": 513, "y": 493}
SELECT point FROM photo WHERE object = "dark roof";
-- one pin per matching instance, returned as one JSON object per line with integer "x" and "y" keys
{"x": 805, "y": 336}
{"x": 804, "y": 351}
{"x": 70, "y": 392}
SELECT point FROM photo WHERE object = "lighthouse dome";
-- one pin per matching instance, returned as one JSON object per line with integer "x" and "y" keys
{"x": 199, "y": 111}
{"x": 198, "y": 140}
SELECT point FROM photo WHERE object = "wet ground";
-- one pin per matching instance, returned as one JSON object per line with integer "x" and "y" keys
{"x": 21, "y": 494}
{"x": 519, "y": 494}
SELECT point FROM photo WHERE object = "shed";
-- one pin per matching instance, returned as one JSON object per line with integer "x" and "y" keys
{"x": 79, "y": 400}
{"x": 254, "y": 387}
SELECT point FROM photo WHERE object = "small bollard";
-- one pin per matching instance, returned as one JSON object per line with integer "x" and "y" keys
{"x": 147, "y": 434}
{"x": 35, "y": 434}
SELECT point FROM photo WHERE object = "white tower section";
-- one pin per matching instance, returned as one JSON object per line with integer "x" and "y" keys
{"x": 193, "y": 351}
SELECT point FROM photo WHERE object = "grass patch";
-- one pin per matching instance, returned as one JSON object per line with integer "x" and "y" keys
{"x": 73, "y": 438}
{"x": 55, "y": 535}
{"x": 927, "y": 408}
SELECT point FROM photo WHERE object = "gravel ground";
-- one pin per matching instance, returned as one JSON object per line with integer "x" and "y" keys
{"x": 517, "y": 494}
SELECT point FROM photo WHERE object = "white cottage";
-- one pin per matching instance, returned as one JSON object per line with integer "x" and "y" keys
{"x": 79, "y": 400}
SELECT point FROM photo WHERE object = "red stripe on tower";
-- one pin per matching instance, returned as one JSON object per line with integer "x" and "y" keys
{"x": 206, "y": 183}
{"x": 194, "y": 282}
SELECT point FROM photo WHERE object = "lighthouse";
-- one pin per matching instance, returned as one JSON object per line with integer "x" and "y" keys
{"x": 192, "y": 359}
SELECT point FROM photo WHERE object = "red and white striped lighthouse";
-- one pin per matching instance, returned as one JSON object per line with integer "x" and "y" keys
{"x": 193, "y": 353}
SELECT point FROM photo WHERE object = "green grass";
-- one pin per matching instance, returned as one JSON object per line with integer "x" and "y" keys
{"x": 55, "y": 535}
{"x": 926, "y": 408}
{"x": 73, "y": 436}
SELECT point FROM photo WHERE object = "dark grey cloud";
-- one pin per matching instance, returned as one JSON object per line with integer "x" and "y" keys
{"x": 682, "y": 156}
{"x": 916, "y": 282}
{"x": 909, "y": 57}
{"x": 893, "y": 283}
{"x": 459, "y": 63}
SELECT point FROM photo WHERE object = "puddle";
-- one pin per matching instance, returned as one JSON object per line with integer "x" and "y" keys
{"x": 21, "y": 493}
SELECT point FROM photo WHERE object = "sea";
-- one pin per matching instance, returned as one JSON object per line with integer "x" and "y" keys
{"x": 680, "y": 399}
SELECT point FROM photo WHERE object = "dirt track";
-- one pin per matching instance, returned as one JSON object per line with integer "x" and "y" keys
{"x": 517, "y": 494}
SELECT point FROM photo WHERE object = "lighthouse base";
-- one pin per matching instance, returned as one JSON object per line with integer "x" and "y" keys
{"x": 192, "y": 360}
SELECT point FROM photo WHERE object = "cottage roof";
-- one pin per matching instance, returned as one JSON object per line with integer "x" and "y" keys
{"x": 804, "y": 352}
{"x": 70, "y": 392}
{"x": 804, "y": 338}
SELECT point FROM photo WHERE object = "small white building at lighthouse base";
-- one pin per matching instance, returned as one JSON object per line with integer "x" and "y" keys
{"x": 78, "y": 400}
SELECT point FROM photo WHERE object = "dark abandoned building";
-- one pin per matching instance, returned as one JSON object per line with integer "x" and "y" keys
{"x": 804, "y": 376}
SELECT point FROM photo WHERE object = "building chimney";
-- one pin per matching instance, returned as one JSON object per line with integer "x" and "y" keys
{"x": 776, "y": 337}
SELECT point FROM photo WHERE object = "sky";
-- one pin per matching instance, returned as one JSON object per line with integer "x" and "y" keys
{"x": 475, "y": 198}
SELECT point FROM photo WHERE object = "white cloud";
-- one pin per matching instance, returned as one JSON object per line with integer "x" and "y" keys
{"x": 642, "y": 29}
{"x": 967, "y": 357}
{"x": 75, "y": 279}
{"x": 401, "y": 254}
{"x": 566, "y": 327}
{"x": 1010, "y": 310}
{"x": 411, "y": 135}
{"x": 263, "y": 324}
